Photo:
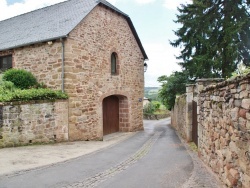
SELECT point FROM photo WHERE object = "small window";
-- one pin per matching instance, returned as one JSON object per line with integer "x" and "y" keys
{"x": 5, "y": 62}
{"x": 113, "y": 63}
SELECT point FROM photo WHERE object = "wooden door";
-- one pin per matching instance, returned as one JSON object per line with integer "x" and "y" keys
{"x": 110, "y": 115}
{"x": 195, "y": 124}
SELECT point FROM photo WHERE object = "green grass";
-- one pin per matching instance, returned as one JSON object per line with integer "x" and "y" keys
{"x": 161, "y": 112}
{"x": 193, "y": 146}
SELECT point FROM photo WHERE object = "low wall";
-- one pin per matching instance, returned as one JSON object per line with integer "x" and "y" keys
{"x": 40, "y": 122}
{"x": 224, "y": 130}
{"x": 155, "y": 116}
{"x": 178, "y": 116}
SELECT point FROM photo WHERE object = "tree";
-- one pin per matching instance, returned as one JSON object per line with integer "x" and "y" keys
{"x": 172, "y": 85}
{"x": 214, "y": 37}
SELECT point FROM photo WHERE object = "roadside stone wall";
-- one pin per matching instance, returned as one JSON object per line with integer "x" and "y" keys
{"x": 178, "y": 116}
{"x": 155, "y": 116}
{"x": 223, "y": 116}
{"x": 224, "y": 130}
{"x": 38, "y": 122}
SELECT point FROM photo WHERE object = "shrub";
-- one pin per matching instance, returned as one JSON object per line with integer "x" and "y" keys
{"x": 22, "y": 91}
{"x": 31, "y": 94}
{"x": 149, "y": 108}
{"x": 21, "y": 78}
{"x": 6, "y": 86}
{"x": 156, "y": 104}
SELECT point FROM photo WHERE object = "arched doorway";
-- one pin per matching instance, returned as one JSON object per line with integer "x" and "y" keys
{"x": 110, "y": 115}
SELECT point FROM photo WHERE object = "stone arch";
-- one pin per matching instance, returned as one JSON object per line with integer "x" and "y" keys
{"x": 124, "y": 109}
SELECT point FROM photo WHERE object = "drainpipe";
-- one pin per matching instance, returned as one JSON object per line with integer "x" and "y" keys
{"x": 62, "y": 41}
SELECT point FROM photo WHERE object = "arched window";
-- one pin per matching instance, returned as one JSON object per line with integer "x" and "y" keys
{"x": 113, "y": 63}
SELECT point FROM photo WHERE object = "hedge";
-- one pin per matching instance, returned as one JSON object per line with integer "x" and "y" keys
{"x": 31, "y": 94}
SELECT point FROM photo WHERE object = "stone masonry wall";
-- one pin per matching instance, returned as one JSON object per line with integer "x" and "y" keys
{"x": 43, "y": 60}
{"x": 224, "y": 130}
{"x": 88, "y": 78}
{"x": 178, "y": 115}
{"x": 41, "y": 122}
{"x": 223, "y": 116}
{"x": 5, "y": 53}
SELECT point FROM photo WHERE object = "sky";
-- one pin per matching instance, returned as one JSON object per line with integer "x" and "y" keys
{"x": 153, "y": 21}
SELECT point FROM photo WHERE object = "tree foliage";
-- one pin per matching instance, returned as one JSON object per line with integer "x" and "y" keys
{"x": 172, "y": 85}
{"x": 214, "y": 37}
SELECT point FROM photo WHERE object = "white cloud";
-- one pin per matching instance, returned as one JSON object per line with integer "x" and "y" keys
{"x": 144, "y": 1}
{"x": 161, "y": 61}
{"x": 112, "y": 1}
{"x": 8, "y": 11}
{"x": 141, "y": 2}
{"x": 169, "y": 4}
{"x": 173, "y": 4}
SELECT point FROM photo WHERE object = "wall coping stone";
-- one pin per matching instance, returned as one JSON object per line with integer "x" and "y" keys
{"x": 226, "y": 82}
{"x": 31, "y": 102}
{"x": 210, "y": 79}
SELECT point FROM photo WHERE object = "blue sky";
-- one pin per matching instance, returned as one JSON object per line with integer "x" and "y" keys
{"x": 153, "y": 20}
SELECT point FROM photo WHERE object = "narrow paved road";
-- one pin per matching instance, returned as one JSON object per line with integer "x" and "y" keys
{"x": 153, "y": 158}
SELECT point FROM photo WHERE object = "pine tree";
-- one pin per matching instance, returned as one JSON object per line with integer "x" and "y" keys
{"x": 215, "y": 37}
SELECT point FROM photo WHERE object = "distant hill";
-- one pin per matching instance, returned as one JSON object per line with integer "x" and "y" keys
{"x": 151, "y": 92}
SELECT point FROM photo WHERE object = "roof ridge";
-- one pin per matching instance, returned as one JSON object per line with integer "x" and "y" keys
{"x": 106, "y": 3}
{"x": 35, "y": 10}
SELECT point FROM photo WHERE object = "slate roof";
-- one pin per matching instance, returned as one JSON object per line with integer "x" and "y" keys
{"x": 50, "y": 23}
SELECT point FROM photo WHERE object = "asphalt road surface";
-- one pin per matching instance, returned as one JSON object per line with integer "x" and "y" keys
{"x": 152, "y": 158}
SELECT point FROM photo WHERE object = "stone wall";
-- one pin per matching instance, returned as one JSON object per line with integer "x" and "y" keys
{"x": 178, "y": 116}
{"x": 88, "y": 79}
{"x": 40, "y": 122}
{"x": 224, "y": 130}
{"x": 223, "y": 116}
{"x": 155, "y": 116}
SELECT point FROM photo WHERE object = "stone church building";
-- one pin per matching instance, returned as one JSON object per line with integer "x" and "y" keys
{"x": 90, "y": 50}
